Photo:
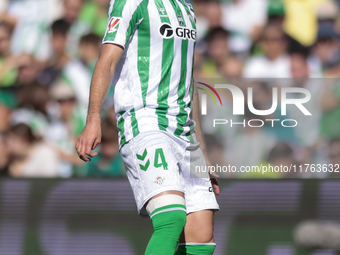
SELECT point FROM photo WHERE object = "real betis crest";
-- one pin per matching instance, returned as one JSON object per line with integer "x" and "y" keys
{"x": 159, "y": 180}
{"x": 191, "y": 17}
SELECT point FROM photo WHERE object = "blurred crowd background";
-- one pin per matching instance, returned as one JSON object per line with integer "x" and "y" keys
{"x": 48, "y": 49}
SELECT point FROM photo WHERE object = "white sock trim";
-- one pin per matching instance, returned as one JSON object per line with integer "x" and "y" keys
{"x": 197, "y": 244}
{"x": 168, "y": 210}
{"x": 164, "y": 200}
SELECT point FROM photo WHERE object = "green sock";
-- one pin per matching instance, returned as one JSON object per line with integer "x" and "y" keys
{"x": 168, "y": 223}
{"x": 196, "y": 249}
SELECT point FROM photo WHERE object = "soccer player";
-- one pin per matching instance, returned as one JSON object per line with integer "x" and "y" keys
{"x": 148, "y": 51}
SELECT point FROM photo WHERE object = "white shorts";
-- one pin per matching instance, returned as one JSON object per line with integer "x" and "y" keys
{"x": 157, "y": 161}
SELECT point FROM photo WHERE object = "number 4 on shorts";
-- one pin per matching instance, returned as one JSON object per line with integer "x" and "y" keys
{"x": 159, "y": 156}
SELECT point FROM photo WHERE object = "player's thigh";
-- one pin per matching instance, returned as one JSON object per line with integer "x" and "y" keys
{"x": 151, "y": 161}
{"x": 199, "y": 195}
{"x": 199, "y": 227}
{"x": 174, "y": 192}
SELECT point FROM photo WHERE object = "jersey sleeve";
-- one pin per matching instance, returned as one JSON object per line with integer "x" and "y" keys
{"x": 124, "y": 16}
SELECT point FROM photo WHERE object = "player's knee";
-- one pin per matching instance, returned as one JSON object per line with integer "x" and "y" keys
{"x": 171, "y": 213}
{"x": 200, "y": 234}
{"x": 205, "y": 236}
{"x": 172, "y": 223}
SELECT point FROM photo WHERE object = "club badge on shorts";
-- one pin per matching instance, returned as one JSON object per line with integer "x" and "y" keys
{"x": 159, "y": 180}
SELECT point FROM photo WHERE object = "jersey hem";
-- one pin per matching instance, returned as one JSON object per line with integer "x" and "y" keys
{"x": 194, "y": 209}
{"x": 181, "y": 138}
{"x": 114, "y": 42}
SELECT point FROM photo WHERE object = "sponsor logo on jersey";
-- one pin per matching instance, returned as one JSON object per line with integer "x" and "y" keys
{"x": 210, "y": 189}
{"x": 162, "y": 12}
{"x": 114, "y": 22}
{"x": 159, "y": 180}
{"x": 167, "y": 32}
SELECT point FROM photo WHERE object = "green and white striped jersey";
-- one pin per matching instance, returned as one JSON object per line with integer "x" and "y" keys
{"x": 153, "y": 79}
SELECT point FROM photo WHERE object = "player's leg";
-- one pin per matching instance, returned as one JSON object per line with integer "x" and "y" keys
{"x": 197, "y": 237}
{"x": 201, "y": 203}
{"x": 151, "y": 161}
{"x": 168, "y": 220}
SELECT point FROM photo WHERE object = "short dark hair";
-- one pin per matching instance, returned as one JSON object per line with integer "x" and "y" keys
{"x": 276, "y": 27}
{"x": 297, "y": 48}
{"x": 60, "y": 26}
{"x": 334, "y": 141}
{"x": 280, "y": 150}
{"x": 216, "y": 32}
{"x": 34, "y": 95}
{"x": 24, "y": 132}
{"x": 109, "y": 131}
{"x": 9, "y": 28}
{"x": 91, "y": 38}
{"x": 264, "y": 85}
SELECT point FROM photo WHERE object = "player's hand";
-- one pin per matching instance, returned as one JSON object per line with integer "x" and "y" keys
{"x": 213, "y": 177}
{"x": 214, "y": 182}
{"x": 88, "y": 140}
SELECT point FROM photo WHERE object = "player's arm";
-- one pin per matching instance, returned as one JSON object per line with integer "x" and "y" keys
{"x": 104, "y": 70}
{"x": 198, "y": 129}
{"x": 200, "y": 137}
